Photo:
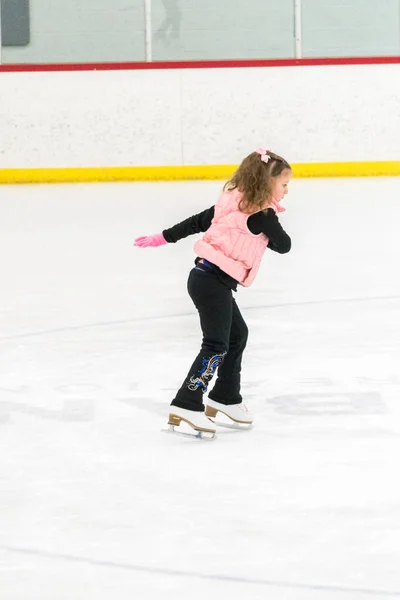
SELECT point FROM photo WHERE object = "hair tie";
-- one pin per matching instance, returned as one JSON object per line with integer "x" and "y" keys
{"x": 265, "y": 157}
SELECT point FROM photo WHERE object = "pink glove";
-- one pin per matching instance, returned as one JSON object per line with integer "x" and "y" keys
{"x": 157, "y": 239}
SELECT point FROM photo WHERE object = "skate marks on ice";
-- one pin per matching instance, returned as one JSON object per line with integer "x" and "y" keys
{"x": 329, "y": 404}
{"x": 148, "y": 403}
{"x": 74, "y": 403}
{"x": 325, "y": 396}
{"x": 167, "y": 317}
{"x": 353, "y": 405}
{"x": 327, "y": 399}
{"x": 142, "y": 320}
{"x": 319, "y": 402}
{"x": 199, "y": 575}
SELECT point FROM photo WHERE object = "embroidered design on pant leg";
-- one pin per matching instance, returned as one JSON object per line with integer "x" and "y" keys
{"x": 210, "y": 365}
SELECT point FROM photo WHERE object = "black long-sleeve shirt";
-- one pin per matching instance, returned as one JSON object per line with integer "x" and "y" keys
{"x": 265, "y": 222}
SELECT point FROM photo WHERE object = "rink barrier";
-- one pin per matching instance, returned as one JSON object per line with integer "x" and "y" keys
{"x": 187, "y": 172}
{"x": 200, "y": 64}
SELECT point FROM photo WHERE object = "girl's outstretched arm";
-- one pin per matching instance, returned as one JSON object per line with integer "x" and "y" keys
{"x": 195, "y": 224}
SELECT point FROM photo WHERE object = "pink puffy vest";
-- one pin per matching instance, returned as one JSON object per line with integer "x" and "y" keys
{"x": 229, "y": 244}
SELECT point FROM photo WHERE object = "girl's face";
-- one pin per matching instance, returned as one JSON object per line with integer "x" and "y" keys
{"x": 281, "y": 185}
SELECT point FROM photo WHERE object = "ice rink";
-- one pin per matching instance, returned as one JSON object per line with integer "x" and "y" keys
{"x": 96, "y": 336}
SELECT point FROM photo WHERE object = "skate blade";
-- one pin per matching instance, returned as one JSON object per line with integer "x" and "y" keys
{"x": 204, "y": 436}
{"x": 233, "y": 425}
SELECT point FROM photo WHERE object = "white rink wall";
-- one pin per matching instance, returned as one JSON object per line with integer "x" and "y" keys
{"x": 199, "y": 116}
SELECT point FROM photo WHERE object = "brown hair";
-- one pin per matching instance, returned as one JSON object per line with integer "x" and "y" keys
{"x": 254, "y": 178}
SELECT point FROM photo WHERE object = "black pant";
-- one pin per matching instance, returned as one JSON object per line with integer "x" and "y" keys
{"x": 224, "y": 339}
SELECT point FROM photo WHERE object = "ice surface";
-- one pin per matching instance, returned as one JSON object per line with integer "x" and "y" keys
{"x": 96, "y": 336}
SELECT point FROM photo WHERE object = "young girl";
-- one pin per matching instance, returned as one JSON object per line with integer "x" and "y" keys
{"x": 238, "y": 229}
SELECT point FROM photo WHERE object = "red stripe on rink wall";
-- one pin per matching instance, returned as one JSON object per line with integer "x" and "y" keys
{"x": 201, "y": 64}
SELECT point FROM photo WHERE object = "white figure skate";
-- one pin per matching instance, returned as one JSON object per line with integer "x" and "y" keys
{"x": 198, "y": 421}
{"x": 239, "y": 415}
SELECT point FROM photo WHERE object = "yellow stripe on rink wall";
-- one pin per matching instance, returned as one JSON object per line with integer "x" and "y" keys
{"x": 181, "y": 173}
{"x": 347, "y": 169}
